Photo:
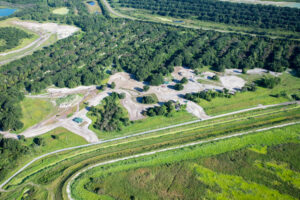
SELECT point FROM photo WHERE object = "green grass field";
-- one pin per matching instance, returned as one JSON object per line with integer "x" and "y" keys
{"x": 52, "y": 172}
{"x": 63, "y": 138}
{"x": 289, "y": 84}
{"x": 35, "y": 111}
{"x": 61, "y": 11}
{"x": 221, "y": 170}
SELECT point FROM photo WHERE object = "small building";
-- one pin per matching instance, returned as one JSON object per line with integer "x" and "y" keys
{"x": 78, "y": 120}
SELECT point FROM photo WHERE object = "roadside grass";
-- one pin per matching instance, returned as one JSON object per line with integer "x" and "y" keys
{"x": 34, "y": 111}
{"x": 24, "y": 42}
{"x": 61, "y": 11}
{"x": 181, "y": 172}
{"x": 289, "y": 84}
{"x": 56, "y": 139}
{"x": 64, "y": 163}
{"x": 146, "y": 124}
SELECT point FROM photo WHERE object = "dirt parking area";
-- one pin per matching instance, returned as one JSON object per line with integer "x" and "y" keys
{"x": 232, "y": 82}
{"x": 62, "y": 31}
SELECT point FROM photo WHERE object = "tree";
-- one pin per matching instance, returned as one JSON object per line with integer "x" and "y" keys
{"x": 113, "y": 85}
{"x": 122, "y": 95}
{"x": 178, "y": 86}
{"x": 184, "y": 80}
{"x": 148, "y": 100}
{"x": 215, "y": 78}
{"x": 146, "y": 88}
{"x": 156, "y": 79}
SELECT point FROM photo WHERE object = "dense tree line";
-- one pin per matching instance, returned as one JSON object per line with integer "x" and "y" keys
{"x": 268, "y": 81}
{"x": 224, "y": 12}
{"x": 10, "y": 109}
{"x": 208, "y": 95}
{"x": 167, "y": 109}
{"x": 11, "y": 37}
{"x": 111, "y": 117}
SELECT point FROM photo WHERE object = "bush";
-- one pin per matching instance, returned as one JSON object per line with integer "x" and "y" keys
{"x": 269, "y": 82}
{"x": 39, "y": 141}
{"x": 122, "y": 95}
{"x": 184, "y": 80}
{"x": 166, "y": 109}
{"x": 148, "y": 100}
{"x": 146, "y": 88}
{"x": 178, "y": 86}
{"x": 113, "y": 85}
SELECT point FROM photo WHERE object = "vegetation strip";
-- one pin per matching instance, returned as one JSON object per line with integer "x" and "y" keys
{"x": 133, "y": 135}
{"x": 168, "y": 149}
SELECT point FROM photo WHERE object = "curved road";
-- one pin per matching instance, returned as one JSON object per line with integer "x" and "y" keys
{"x": 137, "y": 134}
{"x": 167, "y": 149}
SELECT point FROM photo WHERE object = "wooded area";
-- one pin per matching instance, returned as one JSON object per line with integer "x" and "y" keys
{"x": 11, "y": 37}
{"x": 224, "y": 12}
{"x": 111, "y": 45}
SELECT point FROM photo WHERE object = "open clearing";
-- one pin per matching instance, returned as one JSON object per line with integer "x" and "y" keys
{"x": 61, "y": 11}
{"x": 45, "y": 34}
{"x": 231, "y": 79}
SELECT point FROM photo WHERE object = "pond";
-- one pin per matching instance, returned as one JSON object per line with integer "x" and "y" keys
{"x": 92, "y": 3}
{"x": 6, "y": 11}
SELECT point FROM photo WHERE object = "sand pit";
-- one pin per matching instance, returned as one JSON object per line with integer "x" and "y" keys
{"x": 207, "y": 75}
{"x": 62, "y": 31}
{"x": 261, "y": 71}
{"x": 233, "y": 71}
{"x": 232, "y": 82}
{"x": 180, "y": 72}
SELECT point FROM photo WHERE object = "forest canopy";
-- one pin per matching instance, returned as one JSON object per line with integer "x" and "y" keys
{"x": 224, "y": 12}
{"x": 11, "y": 37}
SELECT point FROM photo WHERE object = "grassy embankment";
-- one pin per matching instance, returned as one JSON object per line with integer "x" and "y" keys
{"x": 289, "y": 84}
{"x": 34, "y": 111}
{"x": 53, "y": 171}
{"x": 227, "y": 169}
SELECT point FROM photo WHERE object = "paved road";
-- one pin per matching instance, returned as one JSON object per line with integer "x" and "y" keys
{"x": 137, "y": 134}
{"x": 167, "y": 149}
{"x": 107, "y": 5}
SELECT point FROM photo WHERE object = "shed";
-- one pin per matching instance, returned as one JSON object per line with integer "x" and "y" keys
{"x": 78, "y": 120}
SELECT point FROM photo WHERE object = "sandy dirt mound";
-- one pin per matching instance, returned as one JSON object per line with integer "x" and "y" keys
{"x": 261, "y": 71}
{"x": 207, "y": 75}
{"x": 62, "y": 31}
{"x": 232, "y": 82}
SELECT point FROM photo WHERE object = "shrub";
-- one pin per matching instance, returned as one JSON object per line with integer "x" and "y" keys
{"x": 178, "y": 86}
{"x": 148, "y": 100}
{"x": 146, "y": 88}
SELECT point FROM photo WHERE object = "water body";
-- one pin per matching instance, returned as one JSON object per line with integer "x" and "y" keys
{"x": 92, "y": 3}
{"x": 6, "y": 11}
